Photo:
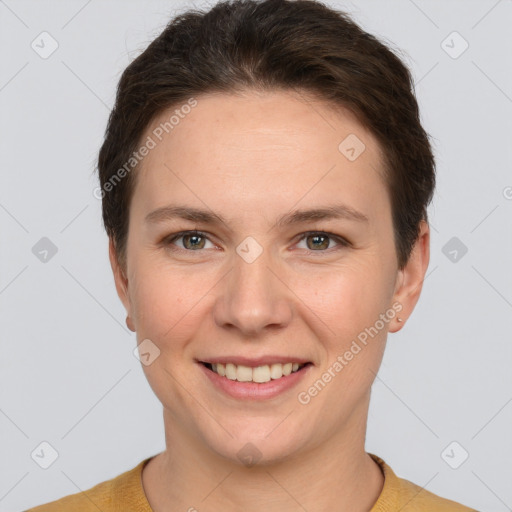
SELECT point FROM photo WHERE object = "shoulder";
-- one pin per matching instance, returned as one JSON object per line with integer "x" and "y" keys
{"x": 111, "y": 495}
{"x": 401, "y": 494}
{"x": 416, "y": 498}
{"x": 97, "y": 497}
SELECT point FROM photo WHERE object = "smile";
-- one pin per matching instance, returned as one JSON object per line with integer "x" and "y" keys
{"x": 254, "y": 378}
{"x": 258, "y": 374}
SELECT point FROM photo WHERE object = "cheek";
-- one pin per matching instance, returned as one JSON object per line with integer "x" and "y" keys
{"x": 350, "y": 303}
{"x": 162, "y": 299}
{"x": 348, "y": 297}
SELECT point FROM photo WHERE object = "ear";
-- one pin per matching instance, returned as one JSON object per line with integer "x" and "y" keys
{"x": 410, "y": 279}
{"x": 121, "y": 281}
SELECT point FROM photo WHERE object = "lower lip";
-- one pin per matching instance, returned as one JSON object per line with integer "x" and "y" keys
{"x": 254, "y": 390}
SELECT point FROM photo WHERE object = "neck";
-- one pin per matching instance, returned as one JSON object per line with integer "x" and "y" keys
{"x": 334, "y": 475}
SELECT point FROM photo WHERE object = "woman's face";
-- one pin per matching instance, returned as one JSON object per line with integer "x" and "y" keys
{"x": 258, "y": 285}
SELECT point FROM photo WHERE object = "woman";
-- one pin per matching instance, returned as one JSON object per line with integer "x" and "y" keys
{"x": 265, "y": 179}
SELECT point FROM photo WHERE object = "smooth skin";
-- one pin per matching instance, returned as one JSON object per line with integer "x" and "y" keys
{"x": 252, "y": 158}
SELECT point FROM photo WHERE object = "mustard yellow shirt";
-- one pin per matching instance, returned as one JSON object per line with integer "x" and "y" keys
{"x": 125, "y": 493}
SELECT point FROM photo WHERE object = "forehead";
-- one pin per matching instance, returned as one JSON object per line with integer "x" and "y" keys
{"x": 256, "y": 149}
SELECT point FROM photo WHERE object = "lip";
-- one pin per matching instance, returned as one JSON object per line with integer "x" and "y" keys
{"x": 253, "y": 362}
{"x": 254, "y": 390}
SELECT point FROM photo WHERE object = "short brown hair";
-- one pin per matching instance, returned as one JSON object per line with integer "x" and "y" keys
{"x": 269, "y": 45}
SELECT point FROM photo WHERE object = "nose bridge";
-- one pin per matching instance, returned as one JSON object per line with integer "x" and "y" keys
{"x": 252, "y": 297}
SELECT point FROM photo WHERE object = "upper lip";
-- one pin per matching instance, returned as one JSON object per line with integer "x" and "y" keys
{"x": 254, "y": 361}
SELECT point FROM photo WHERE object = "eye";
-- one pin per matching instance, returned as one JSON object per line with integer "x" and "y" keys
{"x": 320, "y": 240}
{"x": 196, "y": 240}
{"x": 192, "y": 240}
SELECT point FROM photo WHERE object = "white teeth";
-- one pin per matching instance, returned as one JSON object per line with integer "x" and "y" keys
{"x": 260, "y": 374}
{"x": 221, "y": 369}
{"x": 276, "y": 371}
{"x": 243, "y": 373}
{"x": 230, "y": 371}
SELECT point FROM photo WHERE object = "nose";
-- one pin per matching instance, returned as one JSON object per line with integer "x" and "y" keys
{"x": 253, "y": 298}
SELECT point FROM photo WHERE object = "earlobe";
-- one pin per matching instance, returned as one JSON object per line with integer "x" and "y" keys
{"x": 129, "y": 324}
{"x": 411, "y": 277}
{"x": 120, "y": 278}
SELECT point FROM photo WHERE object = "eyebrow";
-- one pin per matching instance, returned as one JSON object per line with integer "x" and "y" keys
{"x": 338, "y": 211}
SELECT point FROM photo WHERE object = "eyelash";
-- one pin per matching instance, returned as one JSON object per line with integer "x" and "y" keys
{"x": 175, "y": 236}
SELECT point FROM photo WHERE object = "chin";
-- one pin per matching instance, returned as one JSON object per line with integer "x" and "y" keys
{"x": 255, "y": 447}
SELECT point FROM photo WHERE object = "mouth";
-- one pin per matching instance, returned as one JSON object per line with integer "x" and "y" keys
{"x": 255, "y": 374}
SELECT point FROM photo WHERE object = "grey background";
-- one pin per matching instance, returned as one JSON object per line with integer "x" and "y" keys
{"x": 68, "y": 375}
